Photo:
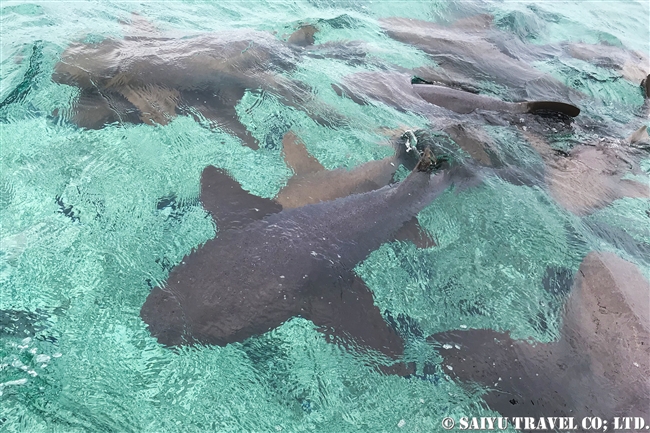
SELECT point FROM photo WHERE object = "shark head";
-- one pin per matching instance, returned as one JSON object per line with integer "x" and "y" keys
{"x": 164, "y": 316}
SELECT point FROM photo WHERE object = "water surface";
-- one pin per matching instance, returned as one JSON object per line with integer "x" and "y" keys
{"x": 91, "y": 220}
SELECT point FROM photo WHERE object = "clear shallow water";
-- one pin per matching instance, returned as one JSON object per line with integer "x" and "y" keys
{"x": 91, "y": 220}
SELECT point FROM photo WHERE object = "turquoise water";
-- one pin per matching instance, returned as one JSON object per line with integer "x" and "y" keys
{"x": 84, "y": 238}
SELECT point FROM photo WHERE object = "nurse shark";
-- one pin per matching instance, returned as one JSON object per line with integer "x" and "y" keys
{"x": 598, "y": 171}
{"x": 269, "y": 264}
{"x": 599, "y": 367}
{"x": 471, "y": 49}
{"x": 148, "y": 77}
{"x": 590, "y": 176}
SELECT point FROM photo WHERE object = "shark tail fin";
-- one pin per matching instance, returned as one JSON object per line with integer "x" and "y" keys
{"x": 559, "y": 107}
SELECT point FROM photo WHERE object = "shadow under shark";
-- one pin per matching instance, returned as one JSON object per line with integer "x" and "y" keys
{"x": 269, "y": 264}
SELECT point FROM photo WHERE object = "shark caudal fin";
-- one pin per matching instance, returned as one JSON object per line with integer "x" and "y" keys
{"x": 535, "y": 107}
{"x": 229, "y": 204}
{"x": 464, "y": 102}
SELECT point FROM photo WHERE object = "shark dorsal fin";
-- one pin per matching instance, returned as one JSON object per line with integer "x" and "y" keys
{"x": 474, "y": 22}
{"x": 297, "y": 157}
{"x": 138, "y": 27}
{"x": 229, "y": 204}
{"x": 304, "y": 36}
{"x": 639, "y": 136}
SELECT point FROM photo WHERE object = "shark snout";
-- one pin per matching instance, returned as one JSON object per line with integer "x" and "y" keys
{"x": 163, "y": 315}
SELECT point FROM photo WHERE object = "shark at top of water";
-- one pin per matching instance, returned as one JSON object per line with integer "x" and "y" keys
{"x": 148, "y": 77}
{"x": 268, "y": 264}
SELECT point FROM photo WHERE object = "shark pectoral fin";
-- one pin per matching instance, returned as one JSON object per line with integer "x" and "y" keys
{"x": 554, "y": 106}
{"x": 228, "y": 203}
{"x": 412, "y": 231}
{"x": 138, "y": 27}
{"x": 91, "y": 111}
{"x": 94, "y": 110}
{"x": 519, "y": 177}
{"x": 343, "y": 92}
{"x": 345, "y": 311}
{"x": 157, "y": 105}
{"x": 516, "y": 386}
{"x": 474, "y": 141}
{"x": 297, "y": 157}
{"x": 634, "y": 189}
{"x": 218, "y": 109}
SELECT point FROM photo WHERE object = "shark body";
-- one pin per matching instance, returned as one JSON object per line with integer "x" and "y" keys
{"x": 599, "y": 366}
{"x": 269, "y": 264}
{"x": 471, "y": 49}
{"x": 150, "y": 78}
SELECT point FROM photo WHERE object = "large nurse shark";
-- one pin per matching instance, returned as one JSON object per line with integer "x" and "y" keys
{"x": 269, "y": 264}
{"x": 148, "y": 77}
{"x": 600, "y": 367}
